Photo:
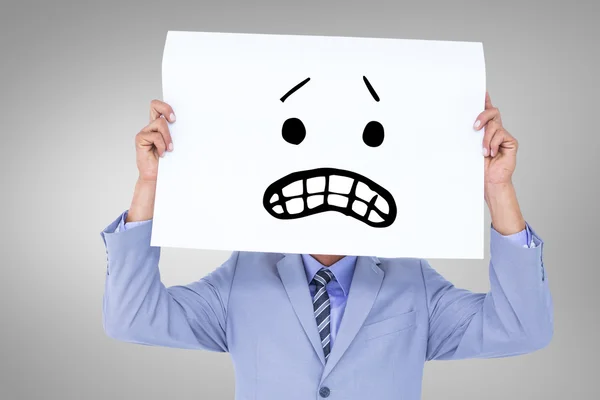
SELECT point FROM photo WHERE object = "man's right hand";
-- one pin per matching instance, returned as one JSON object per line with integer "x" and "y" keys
{"x": 154, "y": 140}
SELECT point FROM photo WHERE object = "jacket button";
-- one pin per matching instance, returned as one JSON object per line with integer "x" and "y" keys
{"x": 324, "y": 391}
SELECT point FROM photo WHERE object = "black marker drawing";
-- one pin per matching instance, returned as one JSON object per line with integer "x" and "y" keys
{"x": 293, "y": 131}
{"x": 310, "y": 192}
{"x": 371, "y": 90}
{"x": 305, "y": 193}
{"x": 292, "y": 90}
{"x": 373, "y": 134}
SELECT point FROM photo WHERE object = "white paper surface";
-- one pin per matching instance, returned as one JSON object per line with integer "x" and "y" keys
{"x": 229, "y": 145}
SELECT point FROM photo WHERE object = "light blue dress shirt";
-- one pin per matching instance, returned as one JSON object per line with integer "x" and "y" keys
{"x": 343, "y": 270}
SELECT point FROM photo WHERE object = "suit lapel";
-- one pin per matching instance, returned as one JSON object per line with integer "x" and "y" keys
{"x": 293, "y": 277}
{"x": 365, "y": 286}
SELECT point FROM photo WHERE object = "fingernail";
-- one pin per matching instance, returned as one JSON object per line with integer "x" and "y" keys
{"x": 477, "y": 123}
{"x": 171, "y": 146}
{"x": 485, "y": 151}
{"x": 492, "y": 153}
{"x": 172, "y": 117}
{"x": 163, "y": 154}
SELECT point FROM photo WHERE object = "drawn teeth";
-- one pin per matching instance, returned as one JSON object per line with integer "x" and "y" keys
{"x": 293, "y": 189}
{"x": 359, "y": 207}
{"x": 382, "y": 205}
{"x": 295, "y": 206}
{"x": 340, "y": 184}
{"x": 337, "y": 200}
{"x": 314, "y": 201}
{"x": 374, "y": 217}
{"x": 363, "y": 192}
{"x": 324, "y": 192}
{"x": 315, "y": 185}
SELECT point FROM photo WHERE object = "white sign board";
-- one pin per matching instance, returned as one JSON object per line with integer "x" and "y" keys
{"x": 322, "y": 145}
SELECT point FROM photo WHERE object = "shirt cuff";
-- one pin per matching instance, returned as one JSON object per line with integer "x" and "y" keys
{"x": 123, "y": 226}
{"x": 524, "y": 238}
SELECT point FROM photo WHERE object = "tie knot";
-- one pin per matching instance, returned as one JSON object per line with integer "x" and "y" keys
{"x": 323, "y": 277}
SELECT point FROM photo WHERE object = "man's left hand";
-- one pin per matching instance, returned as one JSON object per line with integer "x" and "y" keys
{"x": 500, "y": 151}
{"x": 499, "y": 146}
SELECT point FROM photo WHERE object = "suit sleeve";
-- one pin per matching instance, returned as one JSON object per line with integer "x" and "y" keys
{"x": 514, "y": 317}
{"x": 138, "y": 308}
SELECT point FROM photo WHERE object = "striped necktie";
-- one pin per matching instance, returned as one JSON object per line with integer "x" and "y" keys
{"x": 322, "y": 307}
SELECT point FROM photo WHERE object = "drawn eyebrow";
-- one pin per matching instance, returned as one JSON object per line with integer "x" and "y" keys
{"x": 371, "y": 90}
{"x": 292, "y": 90}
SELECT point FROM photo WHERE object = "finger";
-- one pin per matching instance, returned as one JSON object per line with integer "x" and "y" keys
{"x": 485, "y": 117}
{"x": 497, "y": 141}
{"x": 488, "y": 101}
{"x": 490, "y": 131}
{"x": 160, "y": 125}
{"x": 152, "y": 139}
{"x": 158, "y": 108}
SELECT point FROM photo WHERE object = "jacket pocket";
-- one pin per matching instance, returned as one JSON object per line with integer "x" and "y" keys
{"x": 393, "y": 324}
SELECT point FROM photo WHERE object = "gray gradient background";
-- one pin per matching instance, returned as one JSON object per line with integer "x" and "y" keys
{"x": 76, "y": 81}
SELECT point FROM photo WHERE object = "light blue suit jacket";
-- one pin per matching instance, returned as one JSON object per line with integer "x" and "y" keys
{"x": 399, "y": 314}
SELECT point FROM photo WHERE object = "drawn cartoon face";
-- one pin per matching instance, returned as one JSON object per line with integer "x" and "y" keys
{"x": 304, "y": 193}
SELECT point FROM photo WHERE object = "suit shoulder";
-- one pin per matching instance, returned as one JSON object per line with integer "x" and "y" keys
{"x": 403, "y": 269}
{"x": 400, "y": 262}
{"x": 255, "y": 258}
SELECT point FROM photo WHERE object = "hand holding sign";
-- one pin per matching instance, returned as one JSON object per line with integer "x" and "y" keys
{"x": 154, "y": 140}
{"x": 499, "y": 146}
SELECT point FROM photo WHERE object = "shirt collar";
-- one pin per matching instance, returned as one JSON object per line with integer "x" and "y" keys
{"x": 343, "y": 270}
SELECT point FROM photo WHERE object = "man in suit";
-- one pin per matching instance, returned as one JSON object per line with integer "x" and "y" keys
{"x": 327, "y": 326}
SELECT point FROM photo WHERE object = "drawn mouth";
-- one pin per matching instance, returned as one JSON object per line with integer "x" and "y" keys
{"x": 305, "y": 193}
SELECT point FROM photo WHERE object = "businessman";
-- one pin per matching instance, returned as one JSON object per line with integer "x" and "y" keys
{"x": 328, "y": 326}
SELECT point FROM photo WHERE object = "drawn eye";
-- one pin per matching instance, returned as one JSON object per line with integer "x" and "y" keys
{"x": 293, "y": 131}
{"x": 373, "y": 134}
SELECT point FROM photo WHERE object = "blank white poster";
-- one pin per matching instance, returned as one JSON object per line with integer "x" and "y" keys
{"x": 322, "y": 145}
